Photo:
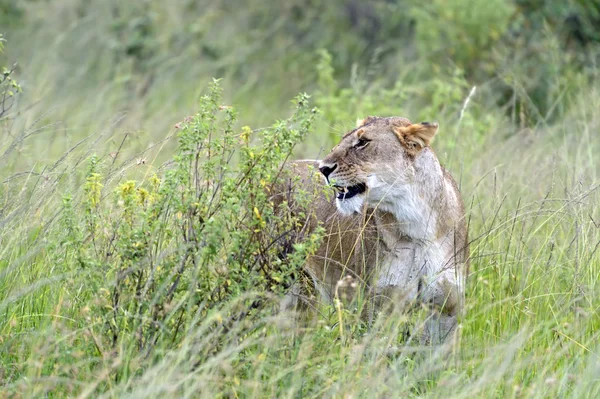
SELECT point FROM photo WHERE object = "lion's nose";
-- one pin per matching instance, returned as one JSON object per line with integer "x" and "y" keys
{"x": 327, "y": 169}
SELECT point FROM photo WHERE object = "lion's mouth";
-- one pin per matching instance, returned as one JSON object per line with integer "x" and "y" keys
{"x": 350, "y": 191}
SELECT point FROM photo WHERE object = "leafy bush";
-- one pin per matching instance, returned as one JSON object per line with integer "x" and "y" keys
{"x": 203, "y": 242}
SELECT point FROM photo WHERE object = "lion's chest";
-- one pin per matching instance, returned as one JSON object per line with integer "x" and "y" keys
{"x": 405, "y": 268}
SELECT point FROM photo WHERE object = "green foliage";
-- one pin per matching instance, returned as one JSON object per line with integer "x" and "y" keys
{"x": 530, "y": 54}
{"x": 9, "y": 87}
{"x": 10, "y": 12}
{"x": 154, "y": 268}
{"x": 467, "y": 36}
{"x": 442, "y": 96}
{"x": 166, "y": 255}
{"x": 134, "y": 35}
{"x": 202, "y": 236}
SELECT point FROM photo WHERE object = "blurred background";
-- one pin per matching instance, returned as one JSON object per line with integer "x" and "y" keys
{"x": 138, "y": 67}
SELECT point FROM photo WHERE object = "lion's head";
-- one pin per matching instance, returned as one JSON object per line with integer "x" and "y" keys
{"x": 375, "y": 160}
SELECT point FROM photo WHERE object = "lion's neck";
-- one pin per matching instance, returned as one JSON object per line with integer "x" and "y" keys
{"x": 413, "y": 210}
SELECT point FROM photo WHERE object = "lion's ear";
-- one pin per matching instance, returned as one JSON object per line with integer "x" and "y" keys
{"x": 416, "y": 136}
{"x": 362, "y": 122}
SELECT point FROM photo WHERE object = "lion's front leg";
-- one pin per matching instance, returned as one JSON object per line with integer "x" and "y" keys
{"x": 444, "y": 297}
{"x": 438, "y": 329}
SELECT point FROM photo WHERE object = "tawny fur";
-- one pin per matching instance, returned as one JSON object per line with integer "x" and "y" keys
{"x": 405, "y": 238}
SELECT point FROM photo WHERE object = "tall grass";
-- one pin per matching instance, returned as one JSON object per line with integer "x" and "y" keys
{"x": 530, "y": 328}
{"x": 96, "y": 116}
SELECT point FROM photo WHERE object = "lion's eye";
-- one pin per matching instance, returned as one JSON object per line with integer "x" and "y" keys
{"x": 362, "y": 143}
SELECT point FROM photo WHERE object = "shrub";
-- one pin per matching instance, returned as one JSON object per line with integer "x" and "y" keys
{"x": 200, "y": 246}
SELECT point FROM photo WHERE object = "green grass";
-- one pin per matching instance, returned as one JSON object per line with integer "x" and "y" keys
{"x": 527, "y": 169}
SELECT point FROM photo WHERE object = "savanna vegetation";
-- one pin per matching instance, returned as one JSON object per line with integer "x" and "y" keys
{"x": 140, "y": 255}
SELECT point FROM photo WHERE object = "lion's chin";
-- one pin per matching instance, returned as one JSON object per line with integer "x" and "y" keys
{"x": 350, "y": 206}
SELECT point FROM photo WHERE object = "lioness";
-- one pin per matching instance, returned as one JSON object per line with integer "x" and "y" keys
{"x": 396, "y": 225}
